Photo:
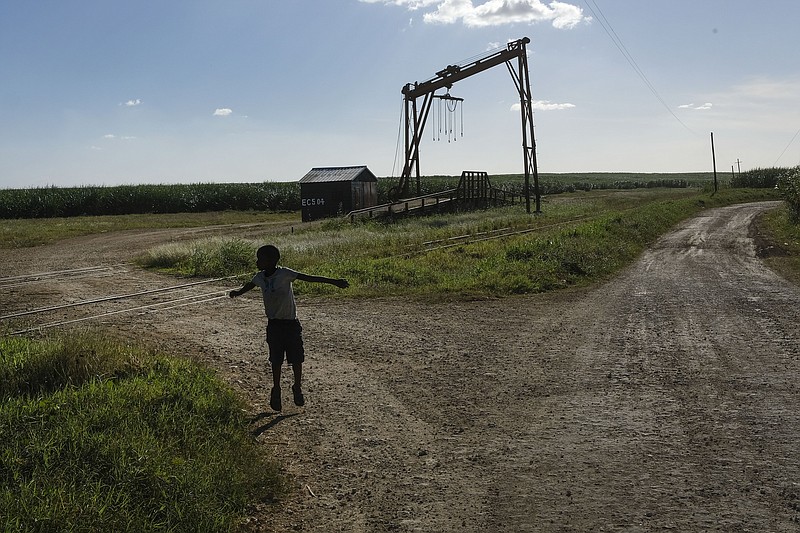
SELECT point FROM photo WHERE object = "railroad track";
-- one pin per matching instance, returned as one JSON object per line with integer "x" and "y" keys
{"x": 10, "y": 282}
{"x": 470, "y": 238}
{"x": 84, "y": 310}
{"x": 179, "y": 295}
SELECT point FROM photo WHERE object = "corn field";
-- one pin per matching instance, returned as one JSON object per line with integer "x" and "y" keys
{"x": 47, "y": 202}
{"x": 789, "y": 187}
{"x": 50, "y": 202}
{"x": 758, "y": 178}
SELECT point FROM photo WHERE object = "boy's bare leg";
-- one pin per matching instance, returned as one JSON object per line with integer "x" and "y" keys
{"x": 297, "y": 368}
{"x": 276, "y": 375}
{"x": 275, "y": 394}
{"x": 299, "y": 399}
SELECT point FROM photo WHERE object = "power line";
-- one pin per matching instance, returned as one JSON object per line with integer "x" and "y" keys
{"x": 787, "y": 146}
{"x": 604, "y": 22}
{"x": 399, "y": 134}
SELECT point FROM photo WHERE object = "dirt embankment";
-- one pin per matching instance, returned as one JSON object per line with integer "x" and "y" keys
{"x": 665, "y": 399}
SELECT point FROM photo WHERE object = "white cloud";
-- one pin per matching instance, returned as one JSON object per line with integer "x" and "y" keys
{"x": 567, "y": 15}
{"x": 495, "y": 12}
{"x": 410, "y": 4}
{"x": 702, "y": 107}
{"x": 223, "y": 112}
{"x": 132, "y": 103}
{"x": 545, "y": 105}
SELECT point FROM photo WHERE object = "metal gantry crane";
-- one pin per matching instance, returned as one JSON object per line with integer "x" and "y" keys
{"x": 416, "y": 115}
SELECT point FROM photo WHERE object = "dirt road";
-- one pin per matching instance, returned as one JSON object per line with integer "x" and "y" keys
{"x": 664, "y": 399}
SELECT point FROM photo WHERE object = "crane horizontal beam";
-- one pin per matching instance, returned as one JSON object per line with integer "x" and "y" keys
{"x": 453, "y": 73}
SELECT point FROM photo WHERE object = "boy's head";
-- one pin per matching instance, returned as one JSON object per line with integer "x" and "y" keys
{"x": 267, "y": 256}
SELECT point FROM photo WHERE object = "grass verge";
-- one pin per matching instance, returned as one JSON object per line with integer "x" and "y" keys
{"x": 781, "y": 247}
{"x": 99, "y": 436}
{"x": 22, "y": 233}
{"x": 579, "y": 239}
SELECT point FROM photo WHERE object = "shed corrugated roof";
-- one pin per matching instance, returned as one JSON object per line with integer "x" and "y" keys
{"x": 330, "y": 174}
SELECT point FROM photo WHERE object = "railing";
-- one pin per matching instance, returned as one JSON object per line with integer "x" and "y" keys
{"x": 432, "y": 201}
{"x": 408, "y": 205}
{"x": 505, "y": 197}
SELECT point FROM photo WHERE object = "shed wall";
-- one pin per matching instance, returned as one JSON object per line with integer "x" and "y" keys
{"x": 365, "y": 194}
{"x": 325, "y": 200}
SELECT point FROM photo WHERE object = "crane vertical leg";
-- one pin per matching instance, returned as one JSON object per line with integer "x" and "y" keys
{"x": 410, "y": 119}
{"x": 528, "y": 139}
{"x": 415, "y": 124}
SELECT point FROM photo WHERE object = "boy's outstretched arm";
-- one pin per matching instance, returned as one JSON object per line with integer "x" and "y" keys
{"x": 341, "y": 283}
{"x": 246, "y": 287}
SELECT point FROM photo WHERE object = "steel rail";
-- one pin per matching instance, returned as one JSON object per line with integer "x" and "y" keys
{"x": 54, "y": 272}
{"x": 128, "y": 310}
{"x": 493, "y": 237}
{"x": 466, "y": 236}
{"x": 10, "y": 282}
{"x": 195, "y": 302}
{"x": 93, "y": 274}
{"x": 513, "y": 233}
{"x": 110, "y": 298}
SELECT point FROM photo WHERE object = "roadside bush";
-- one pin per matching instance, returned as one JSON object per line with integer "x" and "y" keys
{"x": 789, "y": 187}
{"x": 208, "y": 257}
{"x": 758, "y": 178}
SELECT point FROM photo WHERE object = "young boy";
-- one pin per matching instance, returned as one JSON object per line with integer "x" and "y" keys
{"x": 284, "y": 333}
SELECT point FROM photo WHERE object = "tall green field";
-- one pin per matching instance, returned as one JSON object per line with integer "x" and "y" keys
{"x": 789, "y": 186}
{"x": 49, "y": 202}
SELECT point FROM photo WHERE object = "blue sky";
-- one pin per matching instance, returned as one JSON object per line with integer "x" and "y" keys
{"x": 103, "y": 92}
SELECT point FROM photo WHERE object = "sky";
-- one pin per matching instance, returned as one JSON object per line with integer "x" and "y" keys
{"x": 108, "y": 92}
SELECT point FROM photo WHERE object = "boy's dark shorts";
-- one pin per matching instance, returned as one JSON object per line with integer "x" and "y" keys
{"x": 285, "y": 339}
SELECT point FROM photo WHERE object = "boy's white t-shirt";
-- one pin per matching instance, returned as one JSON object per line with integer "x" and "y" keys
{"x": 277, "y": 292}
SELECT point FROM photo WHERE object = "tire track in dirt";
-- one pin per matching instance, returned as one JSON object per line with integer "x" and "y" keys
{"x": 683, "y": 414}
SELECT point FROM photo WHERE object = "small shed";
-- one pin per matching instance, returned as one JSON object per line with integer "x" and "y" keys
{"x": 335, "y": 191}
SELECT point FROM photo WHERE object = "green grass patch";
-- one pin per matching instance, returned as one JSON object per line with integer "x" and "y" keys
{"x": 580, "y": 238}
{"x": 99, "y": 436}
{"x": 782, "y": 247}
{"x": 205, "y": 257}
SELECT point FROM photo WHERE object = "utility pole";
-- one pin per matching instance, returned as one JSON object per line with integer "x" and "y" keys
{"x": 739, "y": 165}
{"x": 714, "y": 159}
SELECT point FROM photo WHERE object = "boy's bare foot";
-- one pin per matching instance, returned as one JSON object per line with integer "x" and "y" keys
{"x": 275, "y": 399}
{"x": 299, "y": 399}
